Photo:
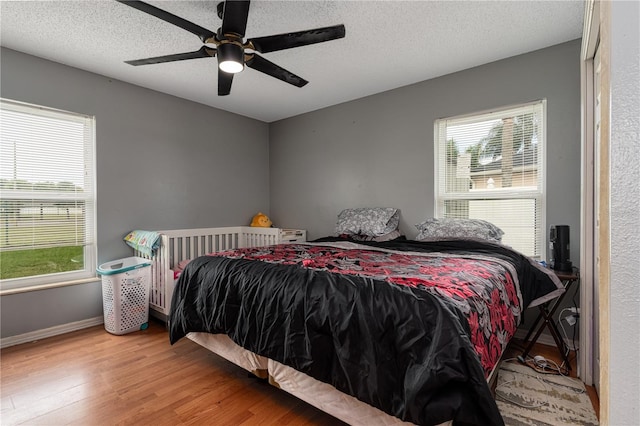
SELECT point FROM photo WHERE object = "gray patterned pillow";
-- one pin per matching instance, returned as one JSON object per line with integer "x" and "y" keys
{"x": 370, "y": 221}
{"x": 458, "y": 228}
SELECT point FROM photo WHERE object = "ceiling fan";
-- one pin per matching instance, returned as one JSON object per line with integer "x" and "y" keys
{"x": 232, "y": 52}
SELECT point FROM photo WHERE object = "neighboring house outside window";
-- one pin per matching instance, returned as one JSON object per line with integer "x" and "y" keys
{"x": 490, "y": 166}
{"x": 47, "y": 197}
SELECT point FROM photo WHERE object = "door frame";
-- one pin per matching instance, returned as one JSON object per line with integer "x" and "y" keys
{"x": 595, "y": 256}
{"x": 588, "y": 267}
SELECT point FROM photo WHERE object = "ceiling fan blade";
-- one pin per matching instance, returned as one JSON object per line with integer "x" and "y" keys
{"x": 203, "y": 33}
{"x": 234, "y": 18}
{"x": 224, "y": 82}
{"x": 297, "y": 39}
{"x": 258, "y": 63}
{"x": 203, "y": 52}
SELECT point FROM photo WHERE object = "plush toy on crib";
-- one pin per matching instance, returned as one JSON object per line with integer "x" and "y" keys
{"x": 261, "y": 220}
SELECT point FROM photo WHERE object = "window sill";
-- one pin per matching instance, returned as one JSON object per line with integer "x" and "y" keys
{"x": 39, "y": 287}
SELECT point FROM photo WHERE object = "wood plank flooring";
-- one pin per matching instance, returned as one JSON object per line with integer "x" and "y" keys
{"x": 90, "y": 377}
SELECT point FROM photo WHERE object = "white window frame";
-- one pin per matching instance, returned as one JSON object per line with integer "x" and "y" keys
{"x": 88, "y": 273}
{"x": 538, "y": 194}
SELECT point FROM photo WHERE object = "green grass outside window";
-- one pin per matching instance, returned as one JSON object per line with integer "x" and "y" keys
{"x": 28, "y": 263}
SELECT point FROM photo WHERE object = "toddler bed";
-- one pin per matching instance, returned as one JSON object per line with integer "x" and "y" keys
{"x": 174, "y": 247}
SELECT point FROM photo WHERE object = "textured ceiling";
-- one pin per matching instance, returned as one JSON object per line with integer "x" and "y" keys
{"x": 388, "y": 44}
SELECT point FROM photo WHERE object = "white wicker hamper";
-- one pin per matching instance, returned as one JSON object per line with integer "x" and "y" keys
{"x": 125, "y": 294}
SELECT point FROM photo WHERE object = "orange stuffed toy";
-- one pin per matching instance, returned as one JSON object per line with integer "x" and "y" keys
{"x": 261, "y": 220}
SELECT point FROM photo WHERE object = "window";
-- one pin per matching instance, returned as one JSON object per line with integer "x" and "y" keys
{"x": 491, "y": 166}
{"x": 47, "y": 196}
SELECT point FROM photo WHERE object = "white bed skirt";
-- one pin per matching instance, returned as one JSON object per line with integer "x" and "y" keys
{"x": 314, "y": 392}
{"x": 327, "y": 398}
{"x": 222, "y": 345}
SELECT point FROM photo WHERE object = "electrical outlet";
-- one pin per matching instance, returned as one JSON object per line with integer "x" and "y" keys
{"x": 570, "y": 319}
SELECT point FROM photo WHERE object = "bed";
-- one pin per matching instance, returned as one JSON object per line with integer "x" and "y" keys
{"x": 372, "y": 332}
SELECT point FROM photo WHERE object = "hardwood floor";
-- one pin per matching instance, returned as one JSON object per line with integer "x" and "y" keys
{"x": 90, "y": 377}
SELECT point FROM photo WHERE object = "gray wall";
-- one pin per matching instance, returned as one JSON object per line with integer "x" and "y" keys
{"x": 162, "y": 163}
{"x": 378, "y": 151}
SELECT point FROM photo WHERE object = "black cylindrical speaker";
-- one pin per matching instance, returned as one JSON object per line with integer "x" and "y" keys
{"x": 559, "y": 238}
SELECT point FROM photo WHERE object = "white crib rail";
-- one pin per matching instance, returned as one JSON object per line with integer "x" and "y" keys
{"x": 178, "y": 245}
{"x": 258, "y": 237}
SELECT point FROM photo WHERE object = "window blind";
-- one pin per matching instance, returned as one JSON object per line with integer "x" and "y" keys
{"x": 47, "y": 187}
{"x": 491, "y": 166}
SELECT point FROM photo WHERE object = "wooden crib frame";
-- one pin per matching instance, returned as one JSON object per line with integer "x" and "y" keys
{"x": 181, "y": 244}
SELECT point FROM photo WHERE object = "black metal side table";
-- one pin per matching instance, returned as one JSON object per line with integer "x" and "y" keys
{"x": 545, "y": 318}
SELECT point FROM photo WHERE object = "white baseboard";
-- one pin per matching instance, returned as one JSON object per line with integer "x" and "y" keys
{"x": 545, "y": 338}
{"x": 50, "y": 332}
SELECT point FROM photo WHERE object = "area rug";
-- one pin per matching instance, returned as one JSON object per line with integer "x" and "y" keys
{"x": 526, "y": 397}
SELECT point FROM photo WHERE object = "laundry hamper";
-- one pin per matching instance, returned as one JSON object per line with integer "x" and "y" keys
{"x": 125, "y": 294}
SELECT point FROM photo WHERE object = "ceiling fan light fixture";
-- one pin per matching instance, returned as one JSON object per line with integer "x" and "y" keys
{"x": 230, "y": 58}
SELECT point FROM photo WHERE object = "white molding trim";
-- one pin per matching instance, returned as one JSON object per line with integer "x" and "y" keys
{"x": 32, "y": 336}
{"x": 544, "y": 339}
{"x": 38, "y": 287}
{"x": 590, "y": 29}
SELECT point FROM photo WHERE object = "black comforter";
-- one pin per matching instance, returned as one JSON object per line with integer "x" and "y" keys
{"x": 399, "y": 348}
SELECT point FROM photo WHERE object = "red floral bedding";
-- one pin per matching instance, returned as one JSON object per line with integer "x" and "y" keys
{"x": 481, "y": 287}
